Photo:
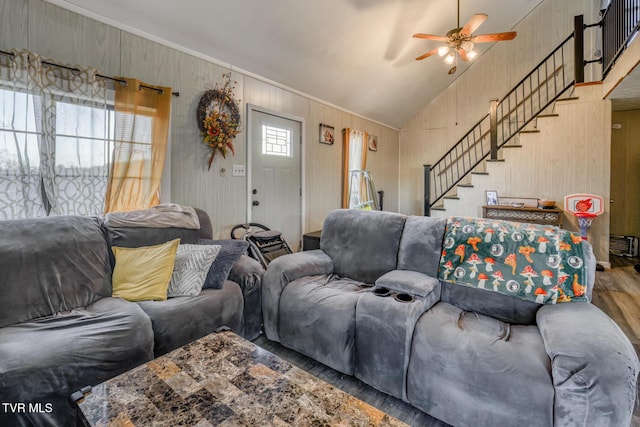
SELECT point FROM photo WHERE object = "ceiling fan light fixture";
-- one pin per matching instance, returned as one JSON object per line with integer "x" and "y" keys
{"x": 443, "y": 50}
{"x": 460, "y": 41}
{"x": 449, "y": 58}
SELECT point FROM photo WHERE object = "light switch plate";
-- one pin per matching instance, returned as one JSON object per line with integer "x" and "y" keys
{"x": 239, "y": 170}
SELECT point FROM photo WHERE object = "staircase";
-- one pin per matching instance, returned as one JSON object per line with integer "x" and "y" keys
{"x": 467, "y": 198}
{"x": 517, "y": 114}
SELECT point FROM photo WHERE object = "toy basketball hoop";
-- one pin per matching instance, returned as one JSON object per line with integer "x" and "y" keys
{"x": 585, "y": 207}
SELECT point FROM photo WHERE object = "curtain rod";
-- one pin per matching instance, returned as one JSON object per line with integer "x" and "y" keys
{"x": 122, "y": 82}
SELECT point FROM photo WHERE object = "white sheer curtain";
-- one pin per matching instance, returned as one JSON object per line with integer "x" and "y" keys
{"x": 355, "y": 158}
{"x": 55, "y": 133}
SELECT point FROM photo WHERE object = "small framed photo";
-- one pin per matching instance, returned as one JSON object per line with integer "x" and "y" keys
{"x": 491, "y": 197}
{"x": 373, "y": 142}
{"x": 327, "y": 134}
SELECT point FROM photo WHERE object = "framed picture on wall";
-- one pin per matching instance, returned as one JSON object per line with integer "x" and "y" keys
{"x": 327, "y": 134}
{"x": 491, "y": 197}
{"x": 373, "y": 142}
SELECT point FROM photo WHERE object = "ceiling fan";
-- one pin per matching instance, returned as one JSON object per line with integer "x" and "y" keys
{"x": 462, "y": 40}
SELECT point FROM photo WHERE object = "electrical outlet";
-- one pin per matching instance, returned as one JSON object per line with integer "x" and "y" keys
{"x": 239, "y": 170}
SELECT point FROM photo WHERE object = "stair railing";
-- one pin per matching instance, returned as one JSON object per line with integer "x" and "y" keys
{"x": 620, "y": 23}
{"x": 551, "y": 78}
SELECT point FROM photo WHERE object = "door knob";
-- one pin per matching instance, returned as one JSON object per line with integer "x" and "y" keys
{"x": 255, "y": 203}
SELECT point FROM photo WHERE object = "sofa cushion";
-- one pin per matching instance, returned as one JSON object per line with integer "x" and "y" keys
{"x": 144, "y": 273}
{"x": 318, "y": 319}
{"x": 469, "y": 369}
{"x": 230, "y": 252}
{"x": 178, "y": 321}
{"x": 502, "y": 307}
{"x": 49, "y": 265}
{"x": 363, "y": 245}
{"x": 135, "y": 237}
{"x": 409, "y": 282}
{"x": 421, "y": 244}
{"x": 190, "y": 269}
{"x": 47, "y": 359}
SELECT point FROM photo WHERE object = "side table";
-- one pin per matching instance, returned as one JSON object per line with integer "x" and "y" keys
{"x": 311, "y": 240}
{"x": 531, "y": 215}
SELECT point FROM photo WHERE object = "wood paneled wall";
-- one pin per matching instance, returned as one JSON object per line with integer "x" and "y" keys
{"x": 569, "y": 155}
{"x": 625, "y": 174}
{"x": 74, "y": 39}
{"x": 440, "y": 124}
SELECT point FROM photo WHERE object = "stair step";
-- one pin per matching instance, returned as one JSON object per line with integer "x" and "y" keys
{"x": 549, "y": 115}
{"x": 465, "y": 185}
{"x": 438, "y": 208}
{"x": 530, "y": 131}
{"x": 570, "y": 98}
{"x": 496, "y": 160}
{"x": 479, "y": 173}
{"x": 451, "y": 197}
{"x": 512, "y": 146}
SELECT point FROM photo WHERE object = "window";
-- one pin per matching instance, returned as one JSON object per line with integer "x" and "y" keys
{"x": 83, "y": 138}
{"x": 276, "y": 141}
{"x": 84, "y": 144}
{"x": 71, "y": 146}
{"x": 18, "y": 137}
{"x": 19, "y": 157}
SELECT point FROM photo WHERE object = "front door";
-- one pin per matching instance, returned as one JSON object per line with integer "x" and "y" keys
{"x": 276, "y": 185}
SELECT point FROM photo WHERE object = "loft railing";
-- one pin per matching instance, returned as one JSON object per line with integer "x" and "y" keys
{"x": 552, "y": 77}
{"x": 620, "y": 23}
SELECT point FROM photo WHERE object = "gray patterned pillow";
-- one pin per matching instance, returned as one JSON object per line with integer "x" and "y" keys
{"x": 190, "y": 269}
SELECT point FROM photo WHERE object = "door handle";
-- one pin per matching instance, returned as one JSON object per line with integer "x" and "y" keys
{"x": 255, "y": 203}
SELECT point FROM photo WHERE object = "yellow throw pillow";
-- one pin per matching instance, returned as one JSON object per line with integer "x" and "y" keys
{"x": 144, "y": 273}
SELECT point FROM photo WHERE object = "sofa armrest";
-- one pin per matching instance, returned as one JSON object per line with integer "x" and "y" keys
{"x": 280, "y": 273}
{"x": 410, "y": 282}
{"x": 594, "y": 367}
{"x": 247, "y": 272}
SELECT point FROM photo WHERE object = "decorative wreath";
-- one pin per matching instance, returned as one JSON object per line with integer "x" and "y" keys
{"x": 219, "y": 119}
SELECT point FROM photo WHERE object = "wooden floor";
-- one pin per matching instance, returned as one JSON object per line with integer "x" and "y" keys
{"x": 616, "y": 292}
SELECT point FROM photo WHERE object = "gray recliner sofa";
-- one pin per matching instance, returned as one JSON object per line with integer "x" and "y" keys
{"x": 60, "y": 329}
{"x": 368, "y": 303}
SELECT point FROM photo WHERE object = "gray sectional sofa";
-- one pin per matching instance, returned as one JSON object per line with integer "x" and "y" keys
{"x": 60, "y": 329}
{"x": 368, "y": 303}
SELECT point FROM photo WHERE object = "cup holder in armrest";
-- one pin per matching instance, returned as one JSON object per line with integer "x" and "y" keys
{"x": 382, "y": 292}
{"x": 404, "y": 298}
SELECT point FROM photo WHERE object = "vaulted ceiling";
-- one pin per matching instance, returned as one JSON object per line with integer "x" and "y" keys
{"x": 355, "y": 54}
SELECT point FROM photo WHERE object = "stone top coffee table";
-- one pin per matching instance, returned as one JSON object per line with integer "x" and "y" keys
{"x": 222, "y": 379}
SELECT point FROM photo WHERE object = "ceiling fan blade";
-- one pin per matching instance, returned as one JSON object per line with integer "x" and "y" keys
{"x": 463, "y": 55}
{"x": 473, "y": 23}
{"x": 426, "y": 55}
{"x": 497, "y": 37}
{"x": 431, "y": 37}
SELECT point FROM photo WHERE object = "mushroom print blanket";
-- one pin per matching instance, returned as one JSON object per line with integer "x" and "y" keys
{"x": 540, "y": 263}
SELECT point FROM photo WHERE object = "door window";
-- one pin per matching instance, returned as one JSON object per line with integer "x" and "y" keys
{"x": 276, "y": 141}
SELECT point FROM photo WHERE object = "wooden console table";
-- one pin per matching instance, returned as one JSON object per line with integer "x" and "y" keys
{"x": 527, "y": 214}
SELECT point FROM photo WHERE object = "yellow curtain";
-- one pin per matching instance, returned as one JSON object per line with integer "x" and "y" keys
{"x": 354, "y": 155}
{"x": 142, "y": 130}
